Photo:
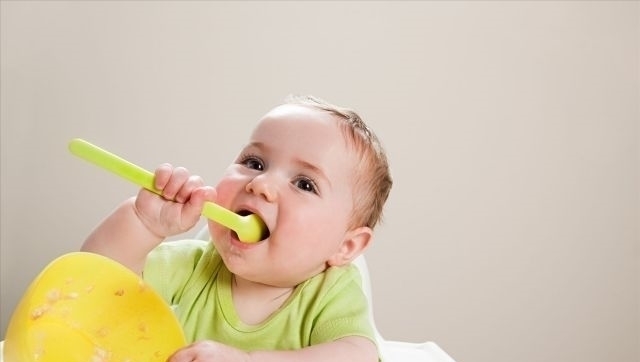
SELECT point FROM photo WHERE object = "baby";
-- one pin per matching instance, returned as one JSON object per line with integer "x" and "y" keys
{"x": 318, "y": 178}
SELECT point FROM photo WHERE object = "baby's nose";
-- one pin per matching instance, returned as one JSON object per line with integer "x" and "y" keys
{"x": 260, "y": 185}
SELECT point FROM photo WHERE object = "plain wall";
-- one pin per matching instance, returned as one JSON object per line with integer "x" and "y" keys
{"x": 511, "y": 233}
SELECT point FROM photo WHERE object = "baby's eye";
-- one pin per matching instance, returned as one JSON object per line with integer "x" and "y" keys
{"x": 306, "y": 184}
{"x": 253, "y": 163}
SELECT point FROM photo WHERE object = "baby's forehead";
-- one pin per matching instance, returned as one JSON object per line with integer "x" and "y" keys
{"x": 300, "y": 111}
{"x": 299, "y": 114}
{"x": 304, "y": 130}
{"x": 297, "y": 120}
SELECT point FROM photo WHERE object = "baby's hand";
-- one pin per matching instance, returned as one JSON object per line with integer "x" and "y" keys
{"x": 179, "y": 207}
{"x": 209, "y": 351}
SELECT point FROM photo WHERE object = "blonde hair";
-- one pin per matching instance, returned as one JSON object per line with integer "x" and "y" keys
{"x": 373, "y": 179}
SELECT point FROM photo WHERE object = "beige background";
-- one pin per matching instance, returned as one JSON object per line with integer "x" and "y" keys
{"x": 512, "y": 129}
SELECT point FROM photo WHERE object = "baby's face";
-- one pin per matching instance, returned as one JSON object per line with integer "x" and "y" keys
{"x": 297, "y": 174}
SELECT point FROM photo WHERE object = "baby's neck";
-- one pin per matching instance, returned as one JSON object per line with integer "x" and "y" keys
{"x": 255, "y": 302}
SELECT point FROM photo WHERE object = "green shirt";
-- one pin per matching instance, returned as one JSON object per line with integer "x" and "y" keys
{"x": 192, "y": 278}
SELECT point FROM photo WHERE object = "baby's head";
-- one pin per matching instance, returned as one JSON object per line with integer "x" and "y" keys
{"x": 372, "y": 182}
{"x": 318, "y": 177}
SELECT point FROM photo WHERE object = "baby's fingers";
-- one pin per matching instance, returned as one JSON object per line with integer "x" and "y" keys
{"x": 191, "y": 184}
{"x": 179, "y": 177}
{"x": 176, "y": 184}
{"x": 209, "y": 351}
{"x": 193, "y": 207}
{"x": 162, "y": 175}
{"x": 202, "y": 194}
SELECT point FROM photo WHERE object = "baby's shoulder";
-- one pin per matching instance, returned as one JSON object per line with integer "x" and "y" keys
{"x": 333, "y": 281}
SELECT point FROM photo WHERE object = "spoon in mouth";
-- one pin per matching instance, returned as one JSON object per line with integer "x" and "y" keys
{"x": 250, "y": 228}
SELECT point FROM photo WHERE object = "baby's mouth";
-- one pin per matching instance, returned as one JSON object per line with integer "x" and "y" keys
{"x": 265, "y": 230}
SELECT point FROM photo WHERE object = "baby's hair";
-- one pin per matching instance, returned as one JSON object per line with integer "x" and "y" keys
{"x": 373, "y": 179}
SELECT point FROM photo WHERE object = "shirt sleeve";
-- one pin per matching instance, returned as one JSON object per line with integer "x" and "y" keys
{"x": 345, "y": 309}
{"x": 170, "y": 265}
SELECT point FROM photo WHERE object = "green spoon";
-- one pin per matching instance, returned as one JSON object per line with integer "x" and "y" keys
{"x": 250, "y": 228}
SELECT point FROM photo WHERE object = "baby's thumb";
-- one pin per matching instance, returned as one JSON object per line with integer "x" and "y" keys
{"x": 200, "y": 195}
{"x": 208, "y": 193}
{"x": 192, "y": 210}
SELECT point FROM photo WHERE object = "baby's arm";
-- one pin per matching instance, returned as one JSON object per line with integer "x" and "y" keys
{"x": 347, "y": 349}
{"x": 142, "y": 222}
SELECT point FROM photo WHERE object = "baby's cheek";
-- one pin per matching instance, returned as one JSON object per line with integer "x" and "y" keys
{"x": 226, "y": 194}
{"x": 216, "y": 230}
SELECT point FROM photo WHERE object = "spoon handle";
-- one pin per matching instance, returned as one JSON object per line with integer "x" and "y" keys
{"x": 142, "y": 177}
{"x": 113, "y": 163}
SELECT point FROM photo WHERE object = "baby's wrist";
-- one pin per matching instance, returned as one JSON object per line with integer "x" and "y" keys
{"x": 145, "y": 223}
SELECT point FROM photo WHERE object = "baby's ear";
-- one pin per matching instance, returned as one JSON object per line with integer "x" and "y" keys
{"x": 354, "y": 243}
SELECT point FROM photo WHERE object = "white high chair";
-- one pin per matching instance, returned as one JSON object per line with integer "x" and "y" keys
{"x": 396, "y": 351}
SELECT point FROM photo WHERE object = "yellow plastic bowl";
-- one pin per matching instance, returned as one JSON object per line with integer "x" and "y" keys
{"x": 88, "y": 308}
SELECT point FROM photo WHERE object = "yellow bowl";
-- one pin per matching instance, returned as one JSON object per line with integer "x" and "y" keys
{"x": 88, "y": 308}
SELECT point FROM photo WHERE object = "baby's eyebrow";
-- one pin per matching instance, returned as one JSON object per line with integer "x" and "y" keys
{"x": 313, "y": 169}
{"x": 259, "y": 145}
